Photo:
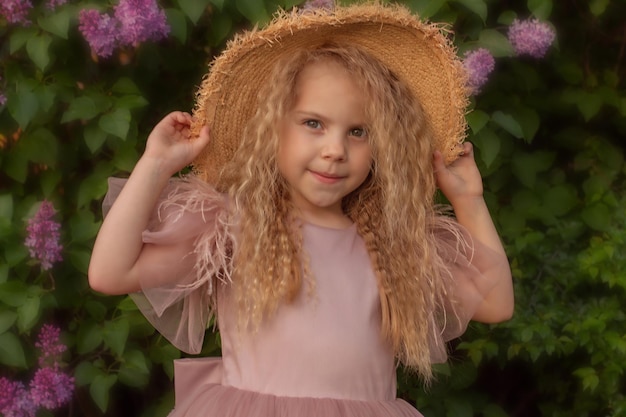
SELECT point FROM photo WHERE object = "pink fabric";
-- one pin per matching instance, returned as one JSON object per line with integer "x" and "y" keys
{"x": 323, "y": 354}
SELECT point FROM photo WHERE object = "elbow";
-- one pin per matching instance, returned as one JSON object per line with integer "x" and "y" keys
{"x": 99, "y": 280}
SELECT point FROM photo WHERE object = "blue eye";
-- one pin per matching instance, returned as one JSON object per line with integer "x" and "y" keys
{"x": 313, "y": 124}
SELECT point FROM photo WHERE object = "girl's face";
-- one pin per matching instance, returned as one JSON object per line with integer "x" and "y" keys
{"x": 324, "y": 152}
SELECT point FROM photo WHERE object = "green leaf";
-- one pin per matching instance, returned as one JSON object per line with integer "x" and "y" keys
{"x": 85, "y": 373}
{"x": 37, "y": 48}
{"x": 426, "y": 8}
{"x": 525, "y": 166}
{"x": 6, "y": 206}
{"x": 458, "y": 407}
{"x": 488, "y": 143}
{"x": 28, "y": 314}
{"x": 218, "y": 3}
{"x": 508, "y": 123}
{"x": 81, "y": 108}
{"x": 57, "y": 23}
{"x": 89, "y": 337}
{"x": 49, "y": 180}
{"x": 116, "y": 335}
{"x": 19, "y": 37}
{"x": 253, "y": 10}
{"x": 125, "y": 85}
{"x": 193, "y": 8}
{"x": 597, "y": 216}
{"x": 131, "y": 102}
{"x": 495, "y": 42}
{"x": 13, "y": 293}
{"x": 83, "y": 227}
{"x": 477, "y": 120}
{"x": 221, "y": 25}
{"x": 507, "y": 17}
{"x": 541, "y": 9}
{"x": 116, "y": 123}
{"x": 23, "y": 107}
{"x": 94, "y": 138}
{"x": 7, "y": 319}
{"x": 598, "y": 7}
{"x": 178, "y": 24}
{"x": 40, "y": 147}
{"x": 589, "y": 104}
{"x": 100, "y": 389}
{"x": 479, "y": 7}
{"x": 11, "y": 351}
{"x": 79, "y": 258}
{"x": 559, "y": 200}
{"x": 529, "y": 121}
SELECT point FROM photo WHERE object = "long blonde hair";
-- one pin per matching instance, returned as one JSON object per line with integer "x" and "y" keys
{"x": 393, "y": 208}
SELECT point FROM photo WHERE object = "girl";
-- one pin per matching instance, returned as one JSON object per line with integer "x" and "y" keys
{"x": 309, "y": 224}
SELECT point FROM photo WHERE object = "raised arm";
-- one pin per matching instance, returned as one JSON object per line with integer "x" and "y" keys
{"x": 119, "y": 255}
{"x": 462, "y": 185}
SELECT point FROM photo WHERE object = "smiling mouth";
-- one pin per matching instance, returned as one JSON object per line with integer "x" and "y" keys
{"x": 326, "y": 178}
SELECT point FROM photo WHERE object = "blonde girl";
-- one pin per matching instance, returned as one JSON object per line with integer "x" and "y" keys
{"x": 309, "y": 225}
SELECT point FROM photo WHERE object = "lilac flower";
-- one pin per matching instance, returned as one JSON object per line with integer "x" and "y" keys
{"x": 53, "y": 4}
{"x": 310, "y": 5}
{"x": 140, "y": 20}
{"x": 16, "y": 11}
{"x": 51, "y": 388}
{"x": 531, "y": 37}
{"x": 478, "y": 64}
{"x": 43, "y": 236}
{"x": 15, "y": 400}
{"x": 99, "y": 30}
{"x": 49, "y": 345}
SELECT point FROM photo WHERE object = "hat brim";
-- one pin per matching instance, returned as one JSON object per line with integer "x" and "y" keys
{"x": 417, "y": 52}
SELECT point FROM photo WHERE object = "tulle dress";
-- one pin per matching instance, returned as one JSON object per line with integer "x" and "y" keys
{"x": 322, "y": 355}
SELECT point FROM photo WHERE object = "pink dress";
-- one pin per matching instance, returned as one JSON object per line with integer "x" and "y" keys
{"x": 322, "y": 355}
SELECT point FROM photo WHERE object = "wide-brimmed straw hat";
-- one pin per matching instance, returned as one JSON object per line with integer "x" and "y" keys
{"x": 419, "y": 53}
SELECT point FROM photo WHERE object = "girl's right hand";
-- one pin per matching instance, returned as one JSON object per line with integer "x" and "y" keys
{"x": 170, "y": 144}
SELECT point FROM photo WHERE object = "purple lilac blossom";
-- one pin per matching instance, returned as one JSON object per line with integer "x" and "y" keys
{"x": 531, "y": 37}
{"x": 53, "y": 4}
{"x": 51, "y": 388}
{"x": 43, "y": 236}
{"x": 15, "y": 400}
{"x": 99, "y": 30}
{"x": 50, "y": 346}
{"x": 140, "y": 21}
{"x": 16, "y": 11}
{"x": 479, "y": 64}
{"x": 318, "y": 4}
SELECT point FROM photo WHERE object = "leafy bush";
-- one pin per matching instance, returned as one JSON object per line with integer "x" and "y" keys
{"x": 549, "y": 134}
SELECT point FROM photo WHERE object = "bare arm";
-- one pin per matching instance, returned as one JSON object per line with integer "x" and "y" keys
{"x": 119, "y": 256}
{"x": 462, "y": 185}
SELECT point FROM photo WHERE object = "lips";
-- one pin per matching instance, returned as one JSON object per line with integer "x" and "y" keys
{"x": 325, "y": 177}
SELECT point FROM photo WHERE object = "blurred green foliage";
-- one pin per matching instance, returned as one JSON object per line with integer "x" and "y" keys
{"x": 550, "y": 140}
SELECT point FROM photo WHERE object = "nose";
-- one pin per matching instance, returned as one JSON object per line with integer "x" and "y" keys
{"x": 334, "y": 148}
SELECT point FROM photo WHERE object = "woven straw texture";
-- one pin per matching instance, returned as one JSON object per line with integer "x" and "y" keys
{"x": 418, "y": 52}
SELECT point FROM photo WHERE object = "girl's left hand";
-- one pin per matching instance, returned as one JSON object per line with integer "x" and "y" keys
{"x": 461, "y": 179}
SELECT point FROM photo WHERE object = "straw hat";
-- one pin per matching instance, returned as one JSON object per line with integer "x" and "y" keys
{"x": 417, "y": 52}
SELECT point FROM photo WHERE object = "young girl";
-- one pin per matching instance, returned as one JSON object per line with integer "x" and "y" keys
{"x": 309, "y": 224}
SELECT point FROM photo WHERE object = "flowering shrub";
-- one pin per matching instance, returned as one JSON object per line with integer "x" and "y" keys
{"x": 43, "y": 237}
{"x": 50, "y": 388}
{"x": 83, "y": 82}
{"x": 133, "y": 23}
{"x": 531, "y": 37}
{"x": 478, "y": 63}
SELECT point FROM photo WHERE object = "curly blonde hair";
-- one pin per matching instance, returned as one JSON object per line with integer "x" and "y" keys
{"x": 393, "y": 209}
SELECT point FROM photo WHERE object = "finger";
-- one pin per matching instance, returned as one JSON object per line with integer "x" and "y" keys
{"x": 438, "y": 162}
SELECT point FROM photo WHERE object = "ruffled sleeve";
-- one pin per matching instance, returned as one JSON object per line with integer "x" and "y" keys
{"x": 473, "y": 270}
{"x": 191, "y": 217}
